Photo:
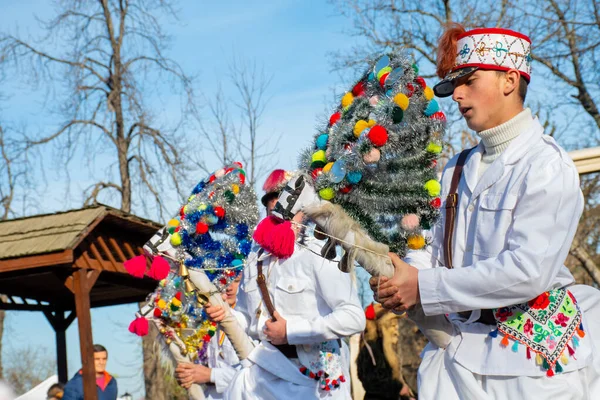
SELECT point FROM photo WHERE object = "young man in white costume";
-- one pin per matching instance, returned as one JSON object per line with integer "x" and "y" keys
{"x": 300, "y": 353}
{"x": 223, "y": 361}
{"x": 505, "y": 232}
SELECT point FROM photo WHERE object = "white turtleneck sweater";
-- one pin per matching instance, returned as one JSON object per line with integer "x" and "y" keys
{"x": 495, "y": 140}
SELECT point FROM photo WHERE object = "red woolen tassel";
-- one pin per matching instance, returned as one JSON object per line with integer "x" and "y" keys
{"x": 276, "y": 237}
{"x": 160, "y": 268}
{"x": 571, "y": 351}
{"x": 139, "y": 326}
{"x": 528, "y": 353}
{"x": 370, "y": 312}
{"x": 136, "y": 266}
{"x": 550, "y": 373}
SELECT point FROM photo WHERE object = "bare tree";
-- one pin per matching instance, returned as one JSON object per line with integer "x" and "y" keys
{"x": 236, "y": 137}
{"x": 27, "y": 367}
{"x": 112, "y": 62}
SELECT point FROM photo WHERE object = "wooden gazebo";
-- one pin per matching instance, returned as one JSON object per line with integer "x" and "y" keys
{"x": 65, "y": 263}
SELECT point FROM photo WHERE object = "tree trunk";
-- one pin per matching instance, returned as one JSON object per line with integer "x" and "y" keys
{"x": 2, "y": 316}
{"x": 586, "y": 261}
{"x": 154, "y": 375}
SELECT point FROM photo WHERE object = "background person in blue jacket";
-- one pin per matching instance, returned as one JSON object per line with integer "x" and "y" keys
{"x": 106, "y": 383}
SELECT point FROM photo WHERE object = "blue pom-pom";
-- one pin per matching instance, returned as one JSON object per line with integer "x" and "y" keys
{"x": 371, "y": 76}
{"x": 244, "y": 247}
{"x": 322, "y": 141}
{"x": 432, "y": 108}
{"x": 354, "y": 177}
{"x": 199, "y": 187}
{"x": 242, "y": 231}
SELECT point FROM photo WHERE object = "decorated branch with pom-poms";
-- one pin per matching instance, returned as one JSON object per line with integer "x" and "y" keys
{"x": 376, "y": 155}
{"x": 211, "y": 235}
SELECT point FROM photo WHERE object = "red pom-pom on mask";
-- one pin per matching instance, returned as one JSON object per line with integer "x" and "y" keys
{"x": 139, "y": 326}
{"x": 136, "y": 266}
{"x": 370, "y": 312}
{"x": 436, "y": 203}
{"x": 276, "y": 237}
{"x": 219, "y": 212}
{"x": 378, "y": 135}
{"x": 157, "y": 313}
{"x": 440, "y": 116}
{"x": 421, "y": 82}
{"x": 201, "y": 228}
{"x": 160, "y": 269}
{"x": 410, "y": 89}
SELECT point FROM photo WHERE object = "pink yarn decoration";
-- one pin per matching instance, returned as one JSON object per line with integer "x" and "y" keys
{"x": 410, "y": 222}
{"x": 139, "y": 326}
{"x": 160, "y": 269}
{"x": 276, "y": 237}
{"x": 374, "y": 100}
{"x": 372, "y": 156}
{"x": 136, "y": 266}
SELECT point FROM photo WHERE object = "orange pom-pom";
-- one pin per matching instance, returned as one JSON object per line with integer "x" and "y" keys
{"x": 447, "y": 47}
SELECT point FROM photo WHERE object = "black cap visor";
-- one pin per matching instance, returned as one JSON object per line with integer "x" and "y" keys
{"x": 445, "y": 87}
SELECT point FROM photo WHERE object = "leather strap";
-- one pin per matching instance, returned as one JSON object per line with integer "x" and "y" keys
{"x": 451, "y": 204}
{"x": 262, "y": 285}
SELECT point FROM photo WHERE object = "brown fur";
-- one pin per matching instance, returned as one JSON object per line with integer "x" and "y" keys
{"x": 447, "y": 48}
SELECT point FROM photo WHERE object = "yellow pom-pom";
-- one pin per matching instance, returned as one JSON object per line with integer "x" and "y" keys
{"x": 433, "y": 187}
{"x": 202, "y": 207}
{"x": 434, "y": 148}
{"x": 347, "y": 100}
{"x": 383, "y": 71}
{"x": 176, "y": 302}
{"x": 176, "y": 239}
{"x": 161, "y": 304}
{"x": 192, "y": 197}
{"x": 319, "y": 156}
{"x": 173, "y": 222}
{"x": 371, "y": 123}
{"x": 327, "y": 167}
{"x": 235, "y": 189}
{"x": 428, "y": 92}
{"x": 360, "y": 126}
{"x": 327, "y": 193}
{"x": 416, "y": 242}
{"x": 186, "y": 210}
{"x": 402, "y": 101}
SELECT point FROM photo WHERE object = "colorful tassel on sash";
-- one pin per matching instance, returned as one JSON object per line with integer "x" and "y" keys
{"x": 575, "y": 342}
{"x": 538, "y": 359}
{"x": 564, "y": 359}
{"x": 558, "y": 368}
{"x": 571, "y": 350}
{"x": 504, "y": 341}
{"x": 528, "y": 353}
{"x": 550, "y": 373}
{"x": 494, "y": 333}
{"x": 515, "y": 347}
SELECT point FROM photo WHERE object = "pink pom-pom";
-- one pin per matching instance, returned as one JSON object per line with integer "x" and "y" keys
{"x": 374, "y": 100}
{"x": 410, "y": 222}
{"x": 139, "y": 326}
{"x": 136, "y": 266}
{"x": 160, "y": 269}
{"x": 276, "y": 237}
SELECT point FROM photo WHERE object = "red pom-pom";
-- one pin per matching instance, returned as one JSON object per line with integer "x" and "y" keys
{"x": 334, "y": 118}
{"x": 223, "y": 281}
{"x": 439, "y": 116}
{"x": 157, "y": 313}
{"x": 550, "y": 373}
{"x": 346, "y": 189}
{"x": 316, "y": 172}
{"x": 206, "y": 338}
{"x": 182, "y": 213}
{"x": 212, "y": 178}
{"x": 312, "y": 375}
{"x": 242, "y": 179}
{"x": 370, "y": 312}
{"x": 275, "y": 236}
{"x": 358, "y": 89}
{"x": 201, "y": 228}
{"x": 342, "y": 378}
{"x": 219, "y": 212}
{"x": 421, "y": 82}
{"x": 238, "y": 164}
{"x": 327, "y": 388}
{"x": 383, "y": 78}
{"x": 136, "y": 266}
{"x": 378, "y": 135}
{"x": 160, "y": 269}
{"x": 139, "y": 326}
{"x": 436, "y": 203}
{"x": 433, "y": 164}
{"x": 178, "y": 296}
{"x": 410, "y": 89}
{"x": 303, "y": 369}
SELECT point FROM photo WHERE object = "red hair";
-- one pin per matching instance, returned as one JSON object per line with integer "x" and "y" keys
{"x": 446, "y": 57}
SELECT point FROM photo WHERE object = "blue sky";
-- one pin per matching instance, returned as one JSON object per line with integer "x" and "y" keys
{"x": 291, "y": 39}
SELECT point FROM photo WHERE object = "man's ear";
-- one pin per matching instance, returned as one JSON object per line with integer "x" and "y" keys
{"x": 511, "y": 82}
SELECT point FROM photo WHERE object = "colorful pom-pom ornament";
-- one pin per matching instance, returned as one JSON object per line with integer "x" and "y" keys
{"x": 372, "y": 156}
{"x": 434, "y": 148}
{"x": 219, "y": 212}
{"x": 415, "y": 242}
{"x": 327, "y": 193}
{"x": 201, "y": 228}
{"x": 402, "y": 101}
{"x": 322, "y": 141}
{"x": 327, "y": 167}
{"x": 334, "y": 118}
{"x": 436, "y": 203}
{"x": 347, "y": 100}
{"x": 397, "y": 115}
{"x": 421, "y": 82}
{"x": 428, "y": 92}
{"x": 410, "y": 89}
{"x": 176, "y": 239}
{"x": 354, "y": 177}
{"x": 346, "y": 189}
{"x": 319, "y": 159}
{"x": 378, "y": 135}
{"x": 383, "y": 71}
{"x": 415, "y": 68}
{"x": 370, "y": 312}
{"x": 410, "y": 222}
{"x": 373, "y": 100}
{"x": 440, "y": 116}
{"x": 358, "y": 89}
{"x": 383, "y": 79}
{"x": 159, "y": 269}
{"x": 316, "y": 172}
{"x": 360, "y": 126}
{"x": 433, "y": 187}
{"x": 432, "y": 108}
{"x": 139, "y": 326}
{"x": 136, "y": 266}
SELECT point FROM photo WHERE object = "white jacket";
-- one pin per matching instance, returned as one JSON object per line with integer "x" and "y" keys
{"x": 513, "y": 232}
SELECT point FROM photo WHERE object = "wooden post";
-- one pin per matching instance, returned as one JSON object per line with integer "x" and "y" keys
{"x": 60, "y": 325}
{"x": 82, "y": 283}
